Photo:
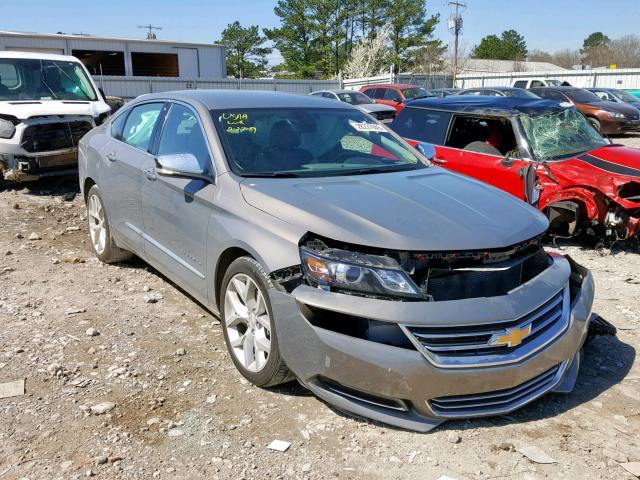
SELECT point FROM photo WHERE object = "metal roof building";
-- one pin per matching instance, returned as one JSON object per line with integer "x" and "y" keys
{"x": 125, "y": 56}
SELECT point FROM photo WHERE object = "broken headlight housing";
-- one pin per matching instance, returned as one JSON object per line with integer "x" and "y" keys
{"x": 7, "y": 128}
{"x": 343, "y": 270}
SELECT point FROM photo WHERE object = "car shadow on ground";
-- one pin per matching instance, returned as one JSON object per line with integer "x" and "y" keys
{"x": 606, "y": 362}
{"x": 64, "y": 186}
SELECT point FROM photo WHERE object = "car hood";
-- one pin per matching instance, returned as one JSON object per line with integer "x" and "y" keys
{"x": 23, "y": 109}
{"x": 375, "y": 107}
{"x": 429, "y": 209}
{"x": 614, "y": 159}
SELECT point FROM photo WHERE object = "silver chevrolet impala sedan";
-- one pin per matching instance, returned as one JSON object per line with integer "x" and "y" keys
{"x": 336, "y": 254}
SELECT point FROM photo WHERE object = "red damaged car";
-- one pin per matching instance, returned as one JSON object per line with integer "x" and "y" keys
{"x": 538, "y": 150}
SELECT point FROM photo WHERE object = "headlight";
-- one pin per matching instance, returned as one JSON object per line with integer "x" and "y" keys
{"x": 615, "y": 115}
{"x": 344, "y": 270}
{"x": 7, "y": 128}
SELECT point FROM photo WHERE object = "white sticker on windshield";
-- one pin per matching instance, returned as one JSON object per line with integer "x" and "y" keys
{"x": 368, "y": 127}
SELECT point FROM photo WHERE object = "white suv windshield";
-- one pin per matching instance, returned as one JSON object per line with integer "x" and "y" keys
{"x": 309, "y": 142}
{"x": 560, "y": 135}
{"x": 34, "y": 79}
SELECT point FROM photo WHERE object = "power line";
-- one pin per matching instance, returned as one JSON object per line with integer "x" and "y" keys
{"x": 151, "y": 28}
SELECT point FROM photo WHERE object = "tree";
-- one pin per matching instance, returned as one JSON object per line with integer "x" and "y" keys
{"x": 626, "y": 51}
{"x": 293, "y": 38}
{"x": 509, "y": 46}
{"x": 409, "y": 28}
{"x": 428, "y": 58}
{"x": 539, "y": 56}
{"x": 370, "y": 56}
{"x": 596, "y": 50}
{"x": 246, "y": 55}
{"x": 595, "y": 40}
{"x": 316, "y": 37}
{"x": 566, "y": 58}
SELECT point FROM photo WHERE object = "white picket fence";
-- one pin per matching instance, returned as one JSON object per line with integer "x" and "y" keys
{"x": 622, "y": 78}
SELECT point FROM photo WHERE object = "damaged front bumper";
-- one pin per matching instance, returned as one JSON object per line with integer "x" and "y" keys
{"x": 42, "y": 147}
{"x": 412, "y": 371}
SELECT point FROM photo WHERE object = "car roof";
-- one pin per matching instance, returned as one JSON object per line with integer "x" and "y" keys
{"x": 400, "y": 86}
{"x": 224, "y": 99}
{"x": 338, "y": 90}
{"x": 486, "y": 105}
{"x": 38, "y": 56}
{"x": 564, "y": 88}
{"x": 500, "y": 89}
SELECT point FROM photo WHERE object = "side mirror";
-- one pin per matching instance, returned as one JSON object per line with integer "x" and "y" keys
{"x": 531, "y": 190}
{"x": 183, "y": 165}
{"x": 426, "y": 149}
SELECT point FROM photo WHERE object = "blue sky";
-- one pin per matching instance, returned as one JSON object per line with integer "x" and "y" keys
{"x": 545, "y": 24}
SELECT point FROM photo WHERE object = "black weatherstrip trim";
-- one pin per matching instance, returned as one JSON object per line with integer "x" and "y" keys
{"x": 609, "y": 166}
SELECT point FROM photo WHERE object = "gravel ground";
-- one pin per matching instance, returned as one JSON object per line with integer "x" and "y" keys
{"x": 128, "y": 377}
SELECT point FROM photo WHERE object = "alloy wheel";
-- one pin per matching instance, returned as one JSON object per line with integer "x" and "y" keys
{"x": 247, "y": 321}
{"x": 97, "y": 227}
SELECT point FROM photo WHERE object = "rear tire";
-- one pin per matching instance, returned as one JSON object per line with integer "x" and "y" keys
{"x": 99, "y": 232}
{"x": 248, "y": 325}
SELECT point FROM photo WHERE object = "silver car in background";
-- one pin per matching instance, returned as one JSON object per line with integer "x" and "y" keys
{"x": 382, "y": 113}
{"x": 335, "y": 253}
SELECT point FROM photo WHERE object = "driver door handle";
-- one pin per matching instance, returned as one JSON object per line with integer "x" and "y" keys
{"x": 111, "y": 156}
{"x": 441, "y": 161}
{"x": 150, "y": 173}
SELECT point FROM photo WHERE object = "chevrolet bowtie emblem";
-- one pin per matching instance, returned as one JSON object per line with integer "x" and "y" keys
{"x": 511, "y": 338}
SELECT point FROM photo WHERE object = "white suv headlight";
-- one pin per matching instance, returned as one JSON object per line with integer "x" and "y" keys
{"x": 7, "y": 128}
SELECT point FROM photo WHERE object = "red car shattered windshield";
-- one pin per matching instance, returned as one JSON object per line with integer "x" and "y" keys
{"x": 560, "y": 135}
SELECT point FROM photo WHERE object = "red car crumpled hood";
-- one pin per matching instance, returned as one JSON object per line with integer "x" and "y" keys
{"x": 614, "y": 159}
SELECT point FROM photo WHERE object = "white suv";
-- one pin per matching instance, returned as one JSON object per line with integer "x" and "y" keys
{"x": 47, "y": 103}
{"x": 538, "y": 82}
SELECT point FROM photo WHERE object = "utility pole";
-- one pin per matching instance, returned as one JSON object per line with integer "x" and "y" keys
{"x": 151, "y": 28}
{"x": 455, "y": 26}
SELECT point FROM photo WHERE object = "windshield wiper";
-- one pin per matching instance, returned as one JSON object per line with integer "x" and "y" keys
{"x": 387, "y": 169}
{"x": 270, "y": 175}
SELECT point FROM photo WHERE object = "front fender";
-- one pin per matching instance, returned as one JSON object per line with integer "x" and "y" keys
{"x": 594, "y": 205}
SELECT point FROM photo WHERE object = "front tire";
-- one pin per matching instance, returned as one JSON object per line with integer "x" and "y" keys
{"x": 595, "y": 123}
{"x": 99, "y": 232}
{"x": 248, "y": 325}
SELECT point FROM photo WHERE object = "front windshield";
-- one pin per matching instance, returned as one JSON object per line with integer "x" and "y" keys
{"x": 559, "y": 135}
{"x": 625, "y": 96}
{"x": 34, "y": 79}
{"x": 417, "y": 92}
{"x": 309, "y": 142}
{"x": 582, "y": 96}
{"x": 354, "y": 98}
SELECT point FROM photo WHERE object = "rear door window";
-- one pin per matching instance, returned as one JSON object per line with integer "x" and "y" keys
{"x": 422, "y": 125}
{"x": 491, "y": 136}
{"x": 140, "y": 124}
{"x": 520, "y": 84}
{"x": 392, "y": 96}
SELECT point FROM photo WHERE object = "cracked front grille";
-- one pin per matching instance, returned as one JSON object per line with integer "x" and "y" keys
{"x": 49, "y": 137}
{"x": 470, "y": 345}
{"x": 498, "y": 401}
